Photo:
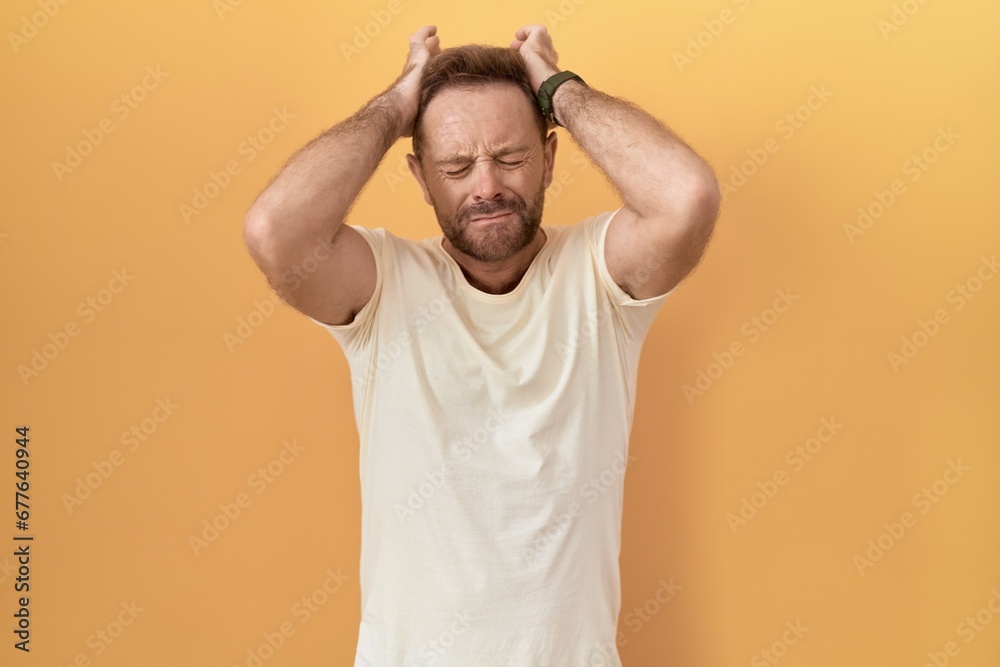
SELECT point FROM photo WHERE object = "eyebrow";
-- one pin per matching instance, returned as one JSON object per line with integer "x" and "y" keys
{"x": 462, "y": 158}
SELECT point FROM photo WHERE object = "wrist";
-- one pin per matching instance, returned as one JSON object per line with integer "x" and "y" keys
{"x": 398, "y": 112}
{"x": 544, "y": 76}
{"x": 552, "y": 95}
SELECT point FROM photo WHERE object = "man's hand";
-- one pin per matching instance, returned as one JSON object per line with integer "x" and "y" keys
{"x": 670, "y": 203}
{"x": 303, "y": 209}
{"x": 424, "y": 44}
{"x": 535, "y": 46}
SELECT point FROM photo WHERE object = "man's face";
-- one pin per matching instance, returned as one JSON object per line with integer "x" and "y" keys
{"x": 482, "y": 157}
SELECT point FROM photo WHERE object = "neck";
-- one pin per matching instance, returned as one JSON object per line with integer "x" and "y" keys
{"x": 498, "y": 277}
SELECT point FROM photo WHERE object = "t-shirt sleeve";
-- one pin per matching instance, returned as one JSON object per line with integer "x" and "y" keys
{"x": 355, "y": 336}
{"x": 634, "y": 315}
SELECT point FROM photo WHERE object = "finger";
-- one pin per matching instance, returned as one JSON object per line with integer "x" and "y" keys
{"x": 433, "y": 44}
{"x": 422, "y": 34}
{"x": 527, "y": 30}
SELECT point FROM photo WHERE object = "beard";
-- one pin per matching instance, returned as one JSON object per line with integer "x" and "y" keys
{"x": 495, "y": 241}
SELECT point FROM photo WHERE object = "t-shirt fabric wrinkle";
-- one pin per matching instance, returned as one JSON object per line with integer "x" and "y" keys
{"x": 493, "y": 435}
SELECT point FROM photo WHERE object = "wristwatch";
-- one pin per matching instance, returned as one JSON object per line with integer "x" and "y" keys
{"x": 548, "y": 89}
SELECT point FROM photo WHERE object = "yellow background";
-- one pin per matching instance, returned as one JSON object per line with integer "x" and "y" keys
{"x": 164, "y": 336}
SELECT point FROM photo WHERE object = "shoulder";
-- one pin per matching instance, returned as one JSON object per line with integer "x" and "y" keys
{"x": 376, "y": 238}
{"x": 386, "y": 245}
{"x": 588, "y": 234}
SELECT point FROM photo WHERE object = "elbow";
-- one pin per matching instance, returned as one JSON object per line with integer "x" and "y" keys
{"x": 706, "y": 200}
{"x": 256, "y": 228}
{"x": 702, "y": 196}
{"x": 693, "y": 197}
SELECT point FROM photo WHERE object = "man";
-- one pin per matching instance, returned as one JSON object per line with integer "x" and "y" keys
{"x": 494, "y": 366}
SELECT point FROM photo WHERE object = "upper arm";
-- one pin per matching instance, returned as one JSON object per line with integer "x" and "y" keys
{"x": 330, "y": 280}
{"x": 649, "y": 257}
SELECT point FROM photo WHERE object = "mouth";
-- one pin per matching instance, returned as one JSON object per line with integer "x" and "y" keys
{"x": 492, "y": 218}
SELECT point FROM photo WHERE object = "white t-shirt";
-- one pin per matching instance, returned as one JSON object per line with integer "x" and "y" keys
{"x": 494, "y": 436}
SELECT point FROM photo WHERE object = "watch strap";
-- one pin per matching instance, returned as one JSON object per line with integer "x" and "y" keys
{"x": 548, "y": 89}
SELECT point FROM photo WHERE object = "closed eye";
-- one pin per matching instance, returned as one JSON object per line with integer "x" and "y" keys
{"x": 457, "y": 172}
{"x": 515, "y": 163}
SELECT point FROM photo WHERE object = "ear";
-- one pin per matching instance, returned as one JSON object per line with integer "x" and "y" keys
{"x": 549, "y": 151}
{"x": 417, "y": 171}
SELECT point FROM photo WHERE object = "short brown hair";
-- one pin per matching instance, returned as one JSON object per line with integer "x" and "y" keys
{"x": 469, "y": 66}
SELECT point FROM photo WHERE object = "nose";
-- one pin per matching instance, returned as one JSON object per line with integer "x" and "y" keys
{"x": 488, "y": 184}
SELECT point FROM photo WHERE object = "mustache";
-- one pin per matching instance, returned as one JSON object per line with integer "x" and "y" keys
{"x": 492, "y": 208}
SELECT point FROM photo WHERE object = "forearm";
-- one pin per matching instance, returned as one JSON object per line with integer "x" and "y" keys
{"x": 311, "y": 195}
{"x": 654, "y": 171}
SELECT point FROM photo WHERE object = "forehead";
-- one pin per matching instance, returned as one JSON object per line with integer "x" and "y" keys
{"x": 479, "y": 118}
